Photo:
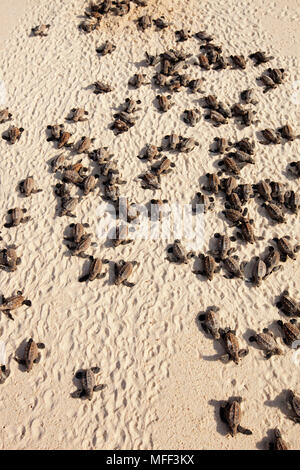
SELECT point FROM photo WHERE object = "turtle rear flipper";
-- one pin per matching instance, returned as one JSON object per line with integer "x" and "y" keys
{"x": 41, "y": 345}
{"x": 77, "y": 394}
{"x": 83, "y": 278}
{"x": 243, "y": 352}
{"x": 222, "y": 414}
{"x": 245, "y": 431}
{"x": 99, "y": 387}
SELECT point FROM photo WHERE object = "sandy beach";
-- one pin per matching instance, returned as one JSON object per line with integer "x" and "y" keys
{"x": 164, "y": 381}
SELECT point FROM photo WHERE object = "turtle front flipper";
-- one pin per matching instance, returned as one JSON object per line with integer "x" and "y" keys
{"x": 83, "y": 255}
{"x": 98, "y": 388}
{"x": 128, "y": 284}
{"x": 79, "y": 375}
{"x": 83, "y": 278}
{"x": 41, "y": 345}
{"x": 95, "y": 370}
{"x": 8, "y": 314}
{"x": 245, "y": 431}
{"x": 243, "y": 352}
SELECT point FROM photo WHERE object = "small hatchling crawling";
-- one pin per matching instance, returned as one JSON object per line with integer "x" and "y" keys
{"x": 234, "y": 268}
{"x": 223, "y": 247}
{"x": 259, "y": 271}
{"x": 266, "y": 341}
{"x": 150, "y": 153}
{"x": 123, "y": 270}
{"x": 275, "y": 212}
{"x": 231, "y": 344}
{"x": 191, "y": 116}
{"x": 288, "y": 306}
{"x": 294, "y": 168}
{"x": 101, "y": 87}
{"x": 187, "y": 144}
{"x": 4, "y": 373}
{"x": 260, "y": 57}
{"x": 79, "y": 248}
{"x": 13, "y": 303}
{"x": 239, "y": 61}
{"x": 278, "y": 443}
{"x": 163, "y": 167}
{"x": 231, "y": 414}
{"x": 210, "y": 322}
{"x": 5, "y": 115}
{"x": 13, "y": 134}
{"x": 9, "y": 259}
{"x": 84, "y": 144}
{"x": 78, "y": 115}
{"x": 291, "y": 333}
{"x": 164, "y": 103}
{"x": 94, "y": 270}
{"x": 270, "y": 136}
{"x": 40, "y": 30}
{"x": 88, "y": 383}
{"x": 68, "y": 204}
{"x": 208, "y": 266}
{"x": 178, "y": 254}
{"x": 31, "y": 354}
{"x": 106, "y": 48}
{"x": 293, "y": 403}
{"x": 77, "y": 232}
{"x": 206, "y": 203}
{"x": 28, "y": 187}
{"x": 285, "y": 247}
{"x": 17, "y": 217}
{"x": 138, "y": 80}
{"x": 144, "y": 22}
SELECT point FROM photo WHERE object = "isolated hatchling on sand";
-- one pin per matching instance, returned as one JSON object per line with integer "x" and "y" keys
{"x": 138, "y": 80}
{"x": 79, "y": 248}
{"x": 290, "y": 331}
{"x": 90, "y": 24}
{"x": 233, "y": 266}
{"x": 260, "y": 57}
{"x": 247, "y": 96}
{"x": 210, "y": 321}
{"x": 55, "y": 131}
{"x": 217, "y": 118}
{"x": 5, "y": 115}
{"x": 287, "y": 133}
{"x": 28, "y": 186}
{"x": 164, "y": 103}
{"x": 144, "y": 22}
{"x": 294, "y": 169}
{"x": 270, "y": 136}
{"x": 268, "y": 83}
{"x": 246, "y": 145}
{"x": 239, "y": 61}
{"x": 208, "y": 266}
{"x": 266, "y": 341}
{"x": 221, "y": 145}
{"x": 293, "y": 403}
{"x": 17, "y": 217}
{"x": 13, "y": 134}
{"x": 182, "y": 35}
{"x": 40, "y": 30}
{"x": 123, "y": 271}
{"x": 278, "y": 443}
{"x": 204, "y": 36}
{"x": 207, "y": 202}
{"x": 4, "y": 373}
{"x": 9, "y": 258}
{"x": 292, "y": 201}
{"x": 161, "y": 23}
{"x": 287, "y": 305}
{"x": 179, "y": 254}
{"x": 163, "y": 167}
{"x": 130, "y": 105}
{"x": 13, "y": 303}
{"x": 68, "y": 204}
{"x": 285, "y": 247}
{"x": 173, "y": 141}
{"x": 231, "y": 414}
{"x": 150, "y": 181}
{"x": 195, "y": 85}
{"x": 78, "y": 115}
{"x": 31, "y": 354}
{"x": 187, "y": 144}
{"x": 231, "y": 344}
{"x": 95, "y": 270}
{"x": 101, "y": 87}
{"x": 88, "y": 383}
{"x": 275, "y": 212}
{"x": 106, "y": 48}
{"x": 191, "y": 116}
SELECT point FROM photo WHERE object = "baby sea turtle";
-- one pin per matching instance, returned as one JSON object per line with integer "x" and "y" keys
{"x": 173, "y": 141}
{"x": 94, "y": 270}
{"x": 130, "y": 105}
{"x": 79, "y": 248}
{"x": 68, "y": 204}
{"x": 245, "y": 192}
{"x": 179, "y": 254}
{"x": 266, "y": 341}
{"x": 5, "y": 115}
{"x": 111, "y": 192}
{"x": 260, "y": 57}
{"x": 230, "y": 165}
{"x": 287, "y": 133}
{"x": 106, "y": 48}
{"x": 231, "y": 414}
{"x": 31, "y": 354}
{"x": 204, "y": 62}
{"x": 88, "y": 383}
{"x": 89, "y": 184}
{"x": 271, "y": 137}
{"x": 150, "y": 153}
{"x": 210, "y": 322}
{"x": 121, "y": 236}
{"x": 13, "y": 134}
{"x": 233, "y": 201}
{"x": 187, "y": 144}
{"x": 272, "y": 260}
{"x": 63, "y": 140}
{"x": 229, "y": 185}
{"x": 278, "y": 443}
{"x": 120, "y": 126}
{"x": 138, "y": 80}
{"x": 291, "y": 332}
{"x": 207, "y": 203}
{"x": 55, "y": 131}
{"x": 278, "y": 191}
{"x": 4, "y": 373}
{"x": 13, "y": 303}
{"x": 285, "y": 247}
{"x": 234, "y": 216}
{"x": 57, "y": 163}
{"x": 231, "y": 344}
{"x": 268, "y": 82}
{"x": 239, "y": 61}
{"x": 161, "y": 23}
{"x": 194, "y": 85}
{"x": 9, "y": 258}
{"x": 277, "y": 75}
{"x": 90, "y": 24}
{"x": 150, "y": 181}
{"x": 164, "y": 103}
{"x": 191, "y": 116}
{"x": 217, "y": 118}
{"x": 123, "y": 270}
{"x": 275, "y": 212}
{"x": 17, "y": 217}
{"x": 77, "y": 232}
{"x": 163, "y": 167}
{"x": 182, "y": 35}
{"x": 234, "y": 268}
{"x": 223, "y": 247}
{"x": 144, "y": 22}
{"x": 246, "y": 145}
{"x": 209, "y": 267}
{"x": 292, "y": 201}
{"x": 294, "y": 168}
{"x": 213, "y": 183}
{"x": 84, "y": 144}
{"x": 101, "y": 87}
{"x": 246, "y": 231}
{"x": 222, "y": 145}
{"x": 247, "y": 96}
{"x": 259, "y": 271}
{"x": 287, "y": 305}
{"x": 40, "y": 30}
{"x": 78, "y": 115}
{"x": 264, "y": 189}
{"x": 293, "y": 402}
{"x": 28, "y": 186}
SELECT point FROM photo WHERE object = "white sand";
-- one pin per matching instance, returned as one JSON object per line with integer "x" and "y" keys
{"x": 160, "y": 370}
